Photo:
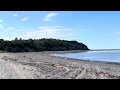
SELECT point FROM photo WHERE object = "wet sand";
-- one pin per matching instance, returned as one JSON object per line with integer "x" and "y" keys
{"x": 40, "y": 65}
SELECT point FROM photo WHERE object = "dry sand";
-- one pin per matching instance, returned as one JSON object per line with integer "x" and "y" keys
{"x": 40, "y": 65}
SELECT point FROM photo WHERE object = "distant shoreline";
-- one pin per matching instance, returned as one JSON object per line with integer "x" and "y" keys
{"x": 102, "y": 49}
{"x": 65, "y": 51}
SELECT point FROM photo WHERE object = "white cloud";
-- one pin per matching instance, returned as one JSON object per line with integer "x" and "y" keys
{"x": 52, "y": 32}
{"x": 15, "y": 15}
{"x": 25, "y": 19}
{"x": 1, "y": 20}
{"x": 11, "y": 28}
{"x": 49, "y": 16}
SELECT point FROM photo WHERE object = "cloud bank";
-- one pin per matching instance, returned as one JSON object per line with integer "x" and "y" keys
{"x": 50, "y": 16}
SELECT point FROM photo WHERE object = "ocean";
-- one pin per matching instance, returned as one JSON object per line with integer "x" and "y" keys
{"x": 105, "y": 55}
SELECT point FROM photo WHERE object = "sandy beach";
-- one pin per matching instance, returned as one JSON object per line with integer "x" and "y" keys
{"x": 40, "y": 65}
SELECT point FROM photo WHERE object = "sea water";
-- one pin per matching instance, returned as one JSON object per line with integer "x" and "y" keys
{"x": 105, "y": 55}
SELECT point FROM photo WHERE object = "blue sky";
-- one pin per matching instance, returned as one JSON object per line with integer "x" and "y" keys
{"x": 96, "y": 29}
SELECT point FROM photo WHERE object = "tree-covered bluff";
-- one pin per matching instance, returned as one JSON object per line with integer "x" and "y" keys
{"x": 35, "y": 45}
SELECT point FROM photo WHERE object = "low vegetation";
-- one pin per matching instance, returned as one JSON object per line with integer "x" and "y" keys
{"x": 35, "y": 45}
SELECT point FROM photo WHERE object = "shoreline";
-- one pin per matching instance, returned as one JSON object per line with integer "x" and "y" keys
{"x": 62, "y": 52}
{"x": 92, "y": 61}
{"x": 70, "y": 51}
{"x": 41, "y": 65}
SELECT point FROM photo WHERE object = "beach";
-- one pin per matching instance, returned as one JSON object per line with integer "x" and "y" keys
{"x": 41, "y": 65}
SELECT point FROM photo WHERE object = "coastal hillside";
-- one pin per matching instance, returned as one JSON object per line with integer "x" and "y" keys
{"x": 35, "y": 45}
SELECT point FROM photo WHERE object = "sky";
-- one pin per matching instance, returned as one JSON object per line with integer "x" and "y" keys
{"x": 96, "y": 29}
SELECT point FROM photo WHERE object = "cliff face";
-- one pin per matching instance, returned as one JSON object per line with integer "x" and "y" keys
{"x": 77, "y": 46}
{"x": 31, "y": 45}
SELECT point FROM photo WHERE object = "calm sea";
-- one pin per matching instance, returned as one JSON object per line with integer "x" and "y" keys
{"x": 110, "y": 55}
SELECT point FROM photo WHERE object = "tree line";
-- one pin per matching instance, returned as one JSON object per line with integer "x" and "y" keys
{"x": 36, "y": 45}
